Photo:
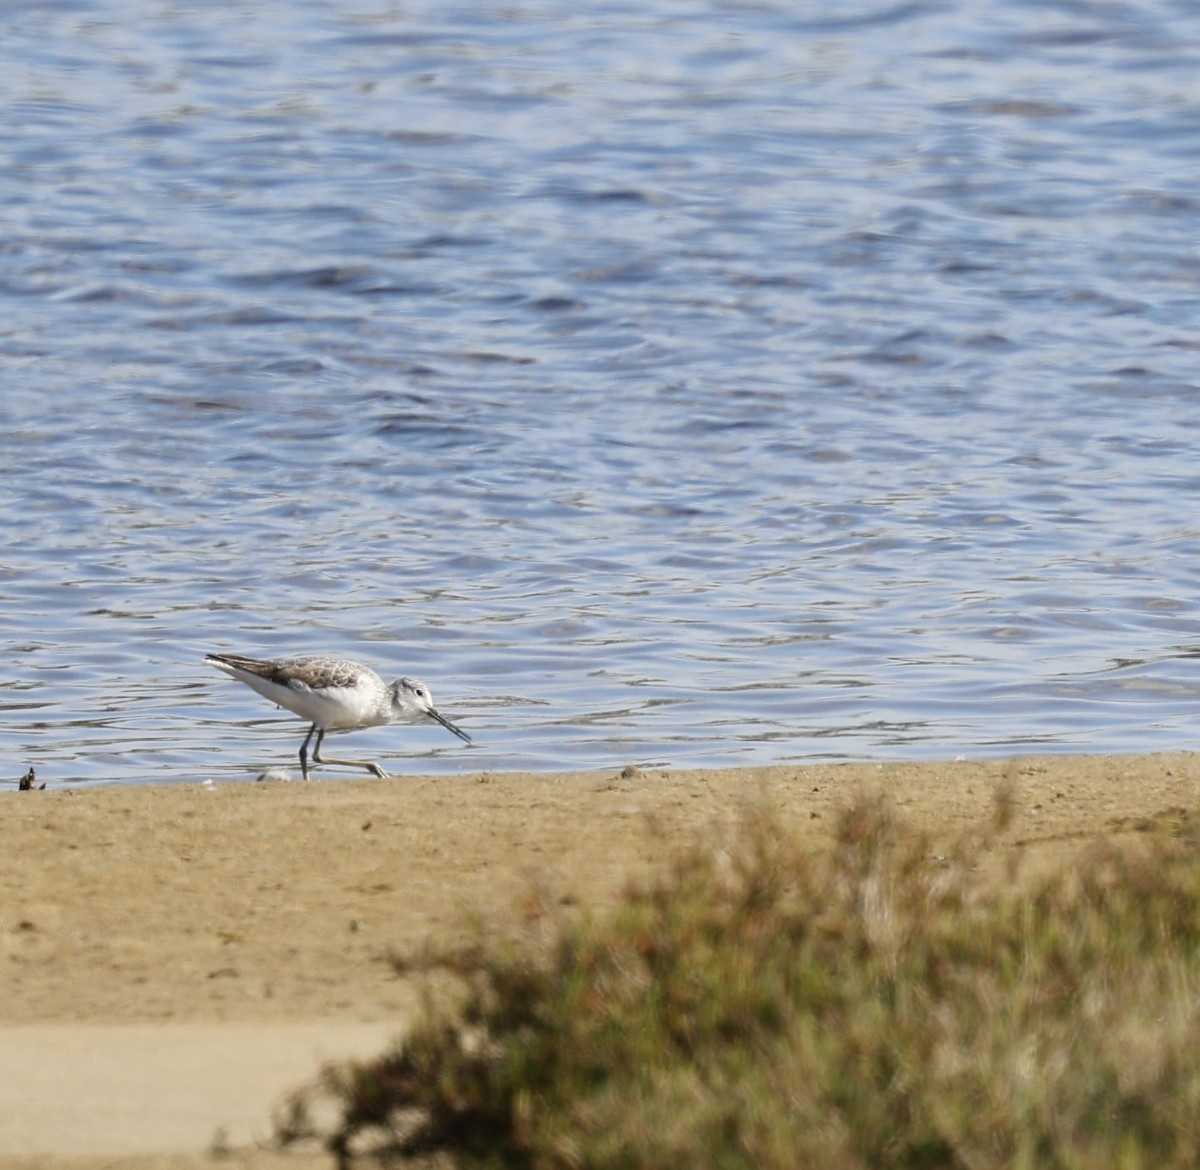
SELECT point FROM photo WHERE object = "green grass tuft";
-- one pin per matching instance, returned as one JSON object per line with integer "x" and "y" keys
{"x": 767, "y": 1005}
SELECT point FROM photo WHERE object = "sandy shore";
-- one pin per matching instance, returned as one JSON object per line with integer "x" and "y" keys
{"x": 173, "y": 959}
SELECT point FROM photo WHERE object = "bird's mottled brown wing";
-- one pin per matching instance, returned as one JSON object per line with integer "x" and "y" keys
{"x": 315, "y": 673}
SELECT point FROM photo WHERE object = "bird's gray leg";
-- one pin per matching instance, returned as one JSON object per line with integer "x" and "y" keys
{"x": 370, "y": 766}
{"x": 304, "y": 751}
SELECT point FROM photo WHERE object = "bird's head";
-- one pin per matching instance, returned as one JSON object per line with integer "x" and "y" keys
{"x": 411, "y": 700}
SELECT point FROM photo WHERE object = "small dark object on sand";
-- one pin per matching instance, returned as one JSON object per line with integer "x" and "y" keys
{"x": 29, "y": 781}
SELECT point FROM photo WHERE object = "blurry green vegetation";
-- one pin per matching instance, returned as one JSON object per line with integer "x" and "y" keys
{"x": 766, "y": 1005}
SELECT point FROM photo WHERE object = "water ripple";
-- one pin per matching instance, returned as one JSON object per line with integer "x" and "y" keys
{"x": 685, "y": 385}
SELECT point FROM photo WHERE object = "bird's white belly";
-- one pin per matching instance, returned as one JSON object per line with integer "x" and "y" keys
{"x": 332, "y": 708}
{"x": 342, "y": 708}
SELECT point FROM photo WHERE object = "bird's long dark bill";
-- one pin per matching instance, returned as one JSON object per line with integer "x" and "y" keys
{"x": 448, "y": 725}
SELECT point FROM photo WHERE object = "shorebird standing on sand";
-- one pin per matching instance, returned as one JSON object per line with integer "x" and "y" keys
{"x": 334, "y": 694}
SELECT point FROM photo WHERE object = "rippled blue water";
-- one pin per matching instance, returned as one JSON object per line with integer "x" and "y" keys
{"x": 675, "y": 383}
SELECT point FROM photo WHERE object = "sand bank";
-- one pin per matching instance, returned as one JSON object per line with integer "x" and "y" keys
{"x": 173, "y": 959}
